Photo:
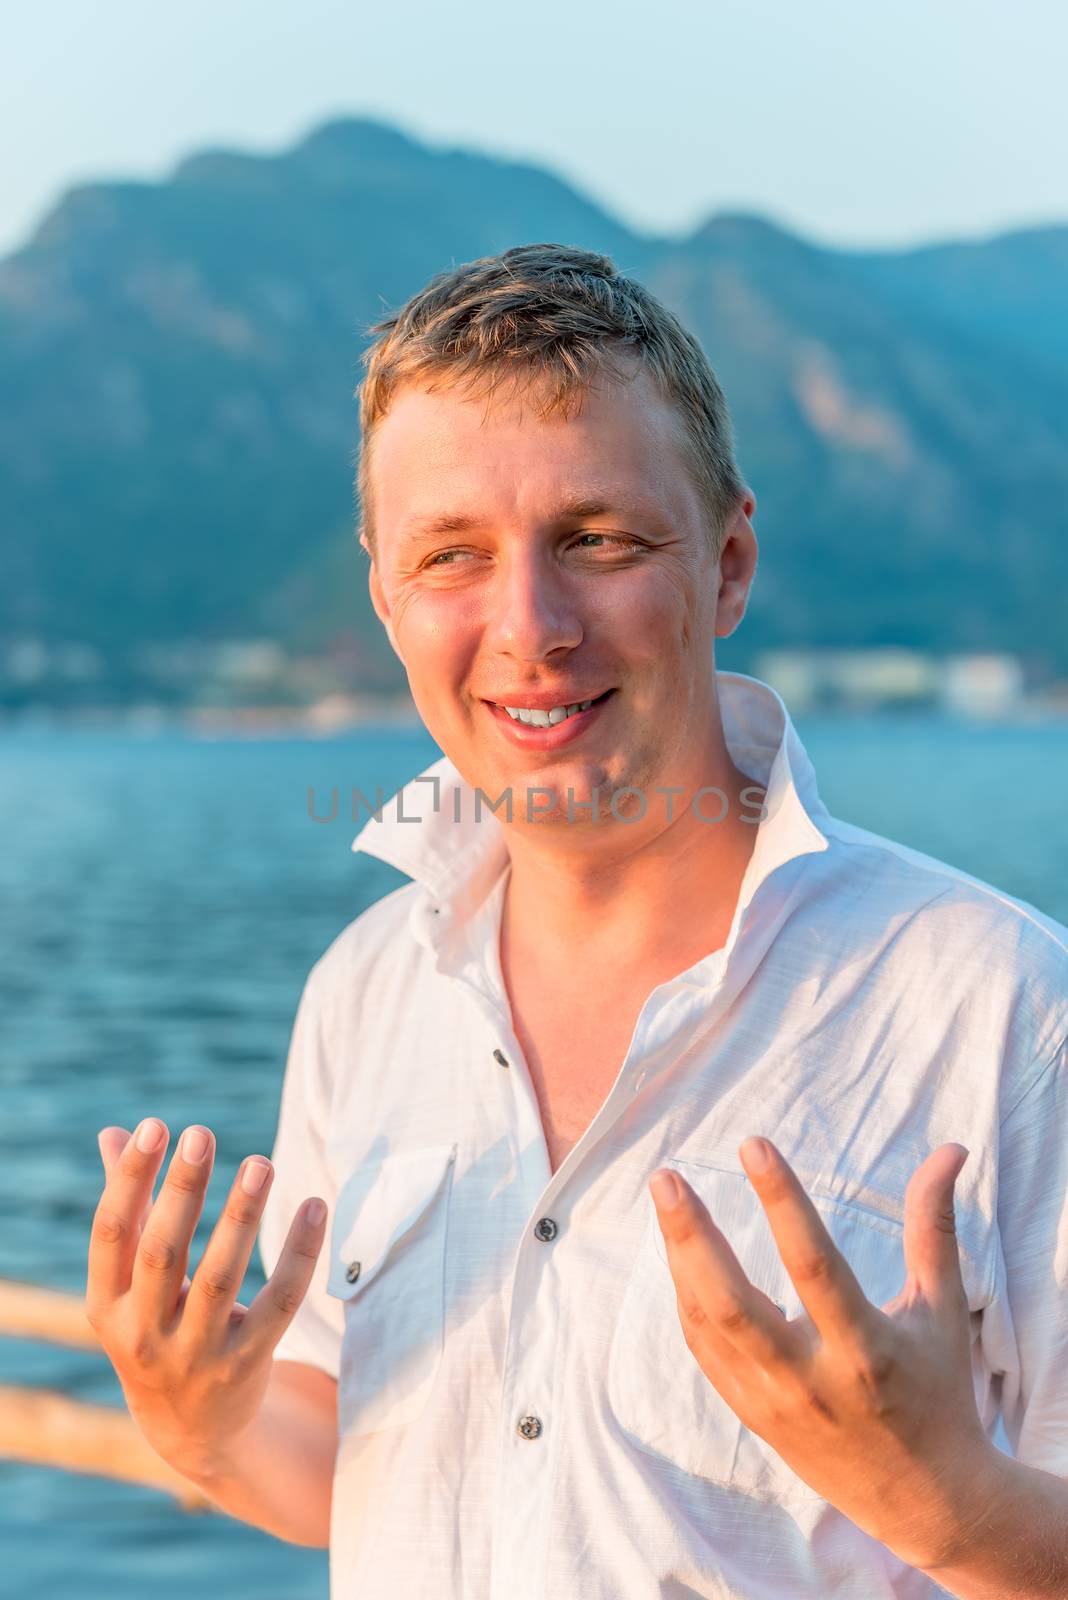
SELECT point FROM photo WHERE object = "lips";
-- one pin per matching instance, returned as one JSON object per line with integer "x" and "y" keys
{"x": 543, "y": 702}
{"x": 528, "y": 737}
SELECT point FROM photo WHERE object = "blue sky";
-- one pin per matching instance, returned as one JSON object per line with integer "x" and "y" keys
{"x": 851, "y": 122}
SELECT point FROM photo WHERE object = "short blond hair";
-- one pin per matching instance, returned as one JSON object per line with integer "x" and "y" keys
{"x": 552, "y": 315}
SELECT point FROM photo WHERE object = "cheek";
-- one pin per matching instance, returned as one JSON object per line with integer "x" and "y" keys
{"x": 434, "y": 627}
{"x": 655, "y": 611}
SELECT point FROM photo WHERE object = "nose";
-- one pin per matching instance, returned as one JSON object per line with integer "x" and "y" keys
{"x": 533, "y": 610}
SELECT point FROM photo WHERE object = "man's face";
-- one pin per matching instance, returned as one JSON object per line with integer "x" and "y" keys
{"x": 499, "y": 587}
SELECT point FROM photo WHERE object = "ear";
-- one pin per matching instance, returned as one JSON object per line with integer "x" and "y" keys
{"x": 736, "y": 566}
{"x": 378, "y": 597}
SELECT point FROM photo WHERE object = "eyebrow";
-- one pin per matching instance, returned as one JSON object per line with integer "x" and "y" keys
{"x": 422, "y": 529}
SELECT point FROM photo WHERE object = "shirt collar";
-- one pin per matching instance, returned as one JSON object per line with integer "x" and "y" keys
{"x": 429, "y": 829}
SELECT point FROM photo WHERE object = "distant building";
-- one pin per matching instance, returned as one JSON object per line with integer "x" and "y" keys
{"x": 855, "y": 680}
{"x": 982, "y": 685}
{"x": 979, "y": 685}
{"x": 30, "y": 662}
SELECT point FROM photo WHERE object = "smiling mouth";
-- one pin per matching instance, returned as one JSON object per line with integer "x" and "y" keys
{"x": 546, "y": 718}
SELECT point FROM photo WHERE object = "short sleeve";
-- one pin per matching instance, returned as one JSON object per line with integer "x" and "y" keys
{"x": 314, "y": 1335}
{"x": 1033, "y": 1225}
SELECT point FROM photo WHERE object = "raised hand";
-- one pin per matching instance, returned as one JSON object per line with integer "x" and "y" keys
{"x": 873, "y": 1407}
{"x": 193, "y": 1361}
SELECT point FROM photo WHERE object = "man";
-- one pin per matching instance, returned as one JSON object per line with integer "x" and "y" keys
{"x": 636, "y": 943}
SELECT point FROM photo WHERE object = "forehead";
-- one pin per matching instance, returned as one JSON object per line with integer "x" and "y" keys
{"x": 444, "y": 451}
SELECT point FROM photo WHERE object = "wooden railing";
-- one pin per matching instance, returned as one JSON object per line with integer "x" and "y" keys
{"x": 50, "y": 1429}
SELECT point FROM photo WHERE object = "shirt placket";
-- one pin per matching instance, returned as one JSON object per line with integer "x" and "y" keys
{"x": 537, "y": 1299}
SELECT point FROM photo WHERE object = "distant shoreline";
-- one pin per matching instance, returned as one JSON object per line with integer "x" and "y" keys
{"x": 343, "y": 714}
{"x": 326, "y": 719}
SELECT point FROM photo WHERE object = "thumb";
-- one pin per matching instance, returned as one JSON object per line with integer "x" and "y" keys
{"x": 932, "y": 1254}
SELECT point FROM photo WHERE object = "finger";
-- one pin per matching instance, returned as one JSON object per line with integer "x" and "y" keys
{"x": 713, "y": 1291}
{"x": 217, "y": 1280}
{"x": 726, "y": 1369}
{"x": 278, "y": 1301}
{"x": 116, "y": 1227}
{"x": 111, "y": 1142}
{"x": 716, "y": 1356}
{"x": 162, "y": 1255}
{"x": 932, "y": 1254}
{"x": 818, "y": 1270}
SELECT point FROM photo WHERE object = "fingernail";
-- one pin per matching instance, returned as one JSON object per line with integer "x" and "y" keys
{"x": 254, "y": 1176}
{"x": 316, "y": 1212}
{"x": 194, "y": 1145}
{"x": 149, "y": 1136}
{"x": 667, "y": 1191}
{"x": 756, "y": 1155}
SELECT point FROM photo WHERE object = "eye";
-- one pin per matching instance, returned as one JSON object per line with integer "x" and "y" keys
{"x": 440, "y": 558}
{"x": 621, "y": 541}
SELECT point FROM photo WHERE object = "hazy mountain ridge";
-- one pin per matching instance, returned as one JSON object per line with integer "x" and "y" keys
{"x": 178, "y": 362}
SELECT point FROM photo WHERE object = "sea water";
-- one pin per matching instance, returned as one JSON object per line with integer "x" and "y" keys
{"x": 162, "y": 898}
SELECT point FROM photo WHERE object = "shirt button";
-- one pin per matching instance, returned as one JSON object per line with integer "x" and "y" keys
{"x": 499, "y": 1056}
{"x": 352, "y": 1271}
{"x": 545, "y": 1229}
{"x": 529, "y": 1427}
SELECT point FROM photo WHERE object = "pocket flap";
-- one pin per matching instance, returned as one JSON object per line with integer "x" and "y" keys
{"x": 381, "y": 1211}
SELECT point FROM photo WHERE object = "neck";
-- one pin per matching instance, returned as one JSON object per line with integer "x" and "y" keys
{"x": 641, "y": 898}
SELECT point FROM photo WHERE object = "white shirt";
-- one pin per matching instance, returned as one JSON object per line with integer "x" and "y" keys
{"x": 520, "y": 1417}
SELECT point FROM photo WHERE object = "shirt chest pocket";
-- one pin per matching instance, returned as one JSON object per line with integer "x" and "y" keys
{"x": 387, "y": 1266}
{"x": 656, "y": 1389}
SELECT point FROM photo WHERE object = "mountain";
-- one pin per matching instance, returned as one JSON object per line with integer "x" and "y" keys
{"x": 178, "y": 361}
{"x": 911, "y": 474}
{"x": 1010, "y": 290}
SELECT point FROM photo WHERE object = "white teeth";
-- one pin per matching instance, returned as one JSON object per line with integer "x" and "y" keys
{"x": 546, "y": 719}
